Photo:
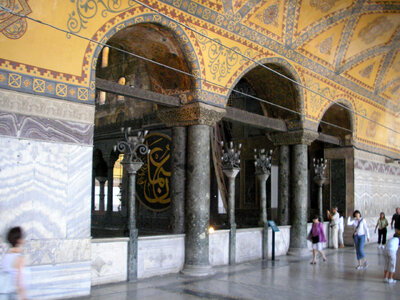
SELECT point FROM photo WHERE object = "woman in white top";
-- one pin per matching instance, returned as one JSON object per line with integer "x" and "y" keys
{"x": 13, "y": 264}
{"x": 360, "y": 232}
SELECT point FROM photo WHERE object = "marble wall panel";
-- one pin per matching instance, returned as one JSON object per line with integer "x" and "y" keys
{"x": 45, "y": 187}
{"x": 159, "y": 255}
{"x": 109, "y": 260}
{"x": 376, "y": 189}
{"x": 60, "y": 280}
{"x": 248, "y": 244}
{"x": 219, "y": 247}
{"x": 38, "y": 128}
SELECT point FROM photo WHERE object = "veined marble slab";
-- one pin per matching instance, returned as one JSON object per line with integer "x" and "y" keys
{"x": 248, "y": 244}
{"x": 45, "y": 188}
{"x": 219, "y": 247}
{"x": 109, "y": 260}
{"x": 60, "y": 280}
{"x": 159, "y": 255}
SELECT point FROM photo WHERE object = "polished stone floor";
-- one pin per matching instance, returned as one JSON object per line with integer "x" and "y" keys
{"x": 286, "y": 278}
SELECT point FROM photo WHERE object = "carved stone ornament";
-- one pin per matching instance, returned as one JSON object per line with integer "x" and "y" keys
{"x": 305, "y": 137}
{"x": 191, "y": 114}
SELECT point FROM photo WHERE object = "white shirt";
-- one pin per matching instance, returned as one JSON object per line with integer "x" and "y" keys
{"x": 362, "y": 229}
{"x": 392, "y": 245}
{"x": 341, "y": 223}
{"x": 335, "y": 219}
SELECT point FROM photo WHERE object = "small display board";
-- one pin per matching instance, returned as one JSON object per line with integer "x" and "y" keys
{"x": 273, "y": 226}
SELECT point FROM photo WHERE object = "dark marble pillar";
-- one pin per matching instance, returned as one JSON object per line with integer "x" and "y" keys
{"x": 197, "y": 202}
{"x": 110, "y": 186}
{"x": 231, "y": 174}
{"x": 298, "y": 232}
{"x": 284, "y": 185}
{"x": 102, "y": 181}
{"x": 131, "y": 169}
{"x": 262, "y": 197}
{"x": 178, "y": 166}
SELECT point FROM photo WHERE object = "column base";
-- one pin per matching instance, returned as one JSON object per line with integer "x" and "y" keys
{"x": 299, "y": 252}
{"x": 197, "y": 271}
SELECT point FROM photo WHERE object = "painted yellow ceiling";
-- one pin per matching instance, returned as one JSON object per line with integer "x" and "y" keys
{"x": 372, "y": 30}
{"x": 314, "y": 11}
{"x": 268, "y": 17}
{"x": 324, "y": 47}
{"x": 366, "y": 72}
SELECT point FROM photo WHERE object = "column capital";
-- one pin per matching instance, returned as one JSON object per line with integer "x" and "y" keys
{"x": 196, "y": 113}
{"x": 293, "y": 137}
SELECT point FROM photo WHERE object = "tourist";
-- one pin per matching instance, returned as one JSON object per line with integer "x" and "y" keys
{"x": 382, "y": 230}
{"x": 341, "y": 231}
{"x": 390, "y": 254}
{"x": 360, "y": 231}
{"x": 13, "y": 264}
{"x": 334, "y": 219}
{"x": 317, "y": 237}
{"x": 396, "y": 220}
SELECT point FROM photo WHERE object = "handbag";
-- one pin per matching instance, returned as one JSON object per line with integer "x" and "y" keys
{"x": 356, "y": 230}
{"x": 315, "y": 239}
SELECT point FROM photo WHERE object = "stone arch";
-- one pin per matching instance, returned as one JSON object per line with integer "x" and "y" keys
{"x": 287, "y": 67}
{"x": 337, "y": 109}
{"x": 112, "y": 26}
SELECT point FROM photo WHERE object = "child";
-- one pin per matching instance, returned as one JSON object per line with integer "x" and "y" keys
{"x": 382, "y": 230}
{"x": 390, "y": 253}
{"x": 317, "y": 237}
{"x": 13, "y": 263}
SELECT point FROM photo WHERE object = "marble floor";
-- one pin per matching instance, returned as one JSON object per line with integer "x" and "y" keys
{"x": 286, "y": 278}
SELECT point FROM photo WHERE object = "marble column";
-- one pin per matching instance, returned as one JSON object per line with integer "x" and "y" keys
{"x": 197, "y": 202}
{"x": 110, "y": 186}
{"x": 298, "y": 232}
{"x": 102, "y": 181}
{"x": 198, "y": 117}
{"x": 178, "y": 166}
{"x": 284, "y": 185}
{"x": 262, "y": 197}
{"x": 231, "y": 174}
{"x": 131, "y": 169}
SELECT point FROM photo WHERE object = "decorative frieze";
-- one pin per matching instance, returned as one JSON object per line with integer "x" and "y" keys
{"x": 305, "y": 137}
{"x": 191, "y": 114}
{"x": 46, "y": 107}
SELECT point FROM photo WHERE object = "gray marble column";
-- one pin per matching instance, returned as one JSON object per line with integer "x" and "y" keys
{"x": 231, "y": 174}
{"x": 262, "y": 197}
{"x": 298, "y": 232}
{"x": 102, "y": 181}
{"x": 131, "y": 169}
{"x": 178, "y": 168}
{"x": 110, "y": 186}
{"x": 284, "y": 185}
{"x": 197, "y": 202}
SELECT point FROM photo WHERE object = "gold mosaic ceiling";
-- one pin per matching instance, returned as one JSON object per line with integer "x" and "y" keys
{"x": 359, "y": 40}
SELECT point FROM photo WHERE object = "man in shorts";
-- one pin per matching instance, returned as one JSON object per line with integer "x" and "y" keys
{"x": 390, "y": 254}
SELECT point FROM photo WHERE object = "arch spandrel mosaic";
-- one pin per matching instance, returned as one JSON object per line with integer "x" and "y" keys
{"x": 340, "y": 47}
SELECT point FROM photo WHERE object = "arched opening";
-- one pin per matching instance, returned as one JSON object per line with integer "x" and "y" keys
{"x": 156, "y": 43}
{"x": 281, "y": 102}
{"x": 336, "y": 132}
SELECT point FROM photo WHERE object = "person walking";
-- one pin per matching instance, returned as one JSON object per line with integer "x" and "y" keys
{"x": 360, "y": 233}
{"x": 334, "y": 224}
{"x": 382, "y": 225}
{"x": 13, "y": 264}
{"x": 317, "y": 237}
{"x": 390, "y": 254}
{"x": 341, "y": 230}
{"x": 396, "y": 220}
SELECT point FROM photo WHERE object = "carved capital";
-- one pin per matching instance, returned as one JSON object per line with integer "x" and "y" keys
{"x": 305, "y": 137}
{"x": 191, "y": 114}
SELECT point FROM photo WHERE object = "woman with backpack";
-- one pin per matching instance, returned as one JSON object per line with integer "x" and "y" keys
{"x": 359, "y": 235}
